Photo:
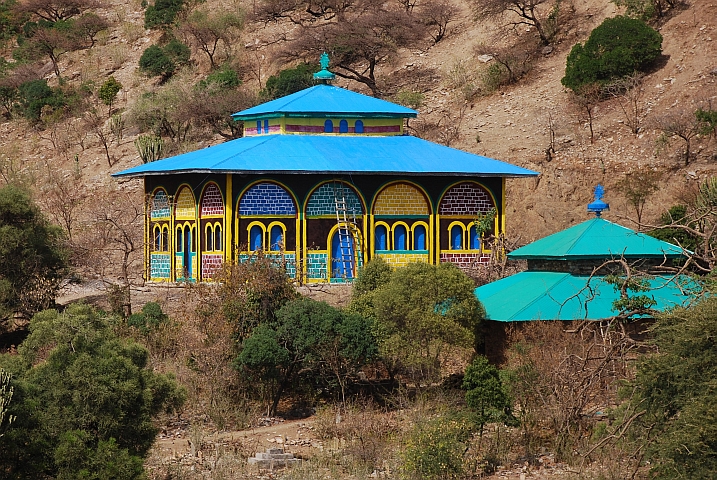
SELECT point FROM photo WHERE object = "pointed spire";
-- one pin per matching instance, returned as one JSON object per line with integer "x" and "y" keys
{"x": 597, "y": 206}
{"x": 324, "y": 76}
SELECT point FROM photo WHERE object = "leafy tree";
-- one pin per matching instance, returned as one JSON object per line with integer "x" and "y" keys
{"x": 162, "y": 14}
{"x": 707, "y": 119}
{"x": 108, "y": 92}
{"x": 288, "y": 81}
{"x": 485, "y": 393}
{"x": 618, "y": 47}
{"x": 675, "y": 388}
{"x": 86, "y": 400}
{"x": 163, "y": 61}
{"x": 309, "y": 340}
{"x": 155, "y": 62}
{"x": 33, "y": 259}
{"x": 648, "y": 9}
{"x": 638, "y": 186}
{"x": 419, "y": 313}
{"x": 151, "y": 318}
{"x": 55, "y": 10}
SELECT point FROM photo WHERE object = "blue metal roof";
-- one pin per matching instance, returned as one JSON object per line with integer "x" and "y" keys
{"x": 326, "y": 101}
{"x": 596, "y": 238}
{"x": 335, "y": 154}
{"x": 528, "y": 296}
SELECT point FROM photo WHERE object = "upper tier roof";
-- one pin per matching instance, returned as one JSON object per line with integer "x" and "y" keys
{"x": 326, "y": 101}
{"x": 596, "y": 239}
{"x": 334, "y": 154}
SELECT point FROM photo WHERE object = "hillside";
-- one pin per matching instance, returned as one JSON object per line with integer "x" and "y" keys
{"x": 513, "y": 123}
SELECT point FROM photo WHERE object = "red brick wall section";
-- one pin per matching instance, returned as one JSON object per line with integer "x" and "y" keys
{"x": 211, "y": 264}
{"x": 212, "y": 203}
{"x": 465, "y": 199}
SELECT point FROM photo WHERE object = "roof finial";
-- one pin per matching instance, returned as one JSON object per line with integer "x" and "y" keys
{"x": 597, "y": 206}
{"x": 324, "y": 75}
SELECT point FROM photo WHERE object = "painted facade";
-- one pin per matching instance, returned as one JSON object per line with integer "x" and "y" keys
{"x": 323, "y": 181}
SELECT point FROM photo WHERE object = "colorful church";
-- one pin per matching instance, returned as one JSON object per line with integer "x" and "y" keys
{"x": 323, "y": 180}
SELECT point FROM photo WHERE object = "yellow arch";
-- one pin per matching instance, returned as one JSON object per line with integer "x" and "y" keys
{"x": 401, "y": 198}
{"x": 186, "y": 205}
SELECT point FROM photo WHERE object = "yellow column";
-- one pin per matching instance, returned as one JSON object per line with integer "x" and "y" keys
{"x": 228, "y": 217}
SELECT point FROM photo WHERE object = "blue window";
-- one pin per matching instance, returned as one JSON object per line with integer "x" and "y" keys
{"x": 358, "y": 127}
{"x": 258, "y": 127}
{"x": 343, "y": 126}
{"x": 276, "y": 235}
{"x": 256, "y": 237}
{"x": 381, "y": 235}
{"x": 328, "y": 126}
{"x": 474, "y": 238}
{"x": 419, "y": 238}
{"x": 266, "y": 126}
{"x": 399, "y": 237}
{"x": 456, "y": 237}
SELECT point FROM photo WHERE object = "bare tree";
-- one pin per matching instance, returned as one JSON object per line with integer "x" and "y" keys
{"x": 682, "y": 124}
{"x": 207, "y": 31}
{"x": 55, "y": 10}
{"x": 63, "y": 198}
{"x": 436, "y": 15}
{"x": 302, "y": 12}
{"x": 628, "y": 91}
{"x": 96, "y": 124}
{"x": 638, "y": 186}
{"x": 586, "y": 98}
{"x": 361, "y": 42}
{"x": 515, "y": 60}
{"x": 522, "y": 12}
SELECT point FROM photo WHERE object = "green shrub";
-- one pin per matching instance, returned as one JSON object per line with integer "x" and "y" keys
{"x": 35, "y": 94}
{"x": 150, "y": 319}
{"x": 224, "y": 78}
{"x": 162, "y": 14}
{"x": 155, "y": 62}
{"x": 178, "y": 52}
{"x": 435, "y": 448}
{"x": 617, "y": 48}
{"x": 289, "y": 81}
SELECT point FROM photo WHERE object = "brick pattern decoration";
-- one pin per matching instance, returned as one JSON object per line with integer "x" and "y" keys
{"x": 465, "y": 261}
{"x": 160, "y": 205}
{"x": 159, "y": 266}
{"x": 367, "y": 129}
{"x": 316, "y": 266}
{"x": 266, "y": 199}
{"x": 250, "y": 131}
{"x": 396, "y": 260}
{"x": 465, "y": 199}
{"x": 185, "y": 205}
{"x": 322, "y": 201}
{"x": 289, "y": 261}
{"x": 212, "y": 203}
{"x": 211, "y": 264}
{"x": 401, "y": 199}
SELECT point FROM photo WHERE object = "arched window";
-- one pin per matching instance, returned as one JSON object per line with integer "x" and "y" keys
{"x": 165, "y": 239}
{"x": 381, "y": 236}
{"x": 456, "y": 237}
{"x": 256, "y": 238}
{"x": 328, "y": 126}
{"x": 343, "y": 126}
{"x": 419, "y": 238}
{"x": 217, "y": 237}
{"x": 157, "y": 244}
{"x": 209, "y": 239}
{"x": 179, "y": 240}
{"x": 266, "y": 126}
{"x": 399, "y": 237}
{"x": 473, "y": 238}
{"x": 276, "y": 237}
{"x": 258, "y": 127}
{"x": 358, "y": 127}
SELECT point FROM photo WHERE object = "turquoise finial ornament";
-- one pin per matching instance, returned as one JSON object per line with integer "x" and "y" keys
{"x": 324, "y": 75}
{"x": 597, "y": 206}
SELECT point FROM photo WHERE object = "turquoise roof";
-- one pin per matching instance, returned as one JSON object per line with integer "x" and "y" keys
{"x": 594, "y": 239}
{"x": 322, "y": 101}
{"x": 532, "y": 295}
{"x": 335, "y": 154}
